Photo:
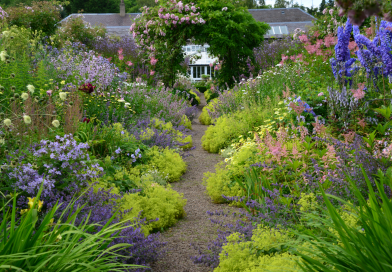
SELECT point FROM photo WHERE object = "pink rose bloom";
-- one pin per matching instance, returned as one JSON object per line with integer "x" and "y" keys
{"x": 216, "y": 67}
{"x": 211, "y": 64}
{"x": 187, "y": 18}
{"x": 129, "y": 63}
{"x": 321, "y": 94}
{"x": 49, "y": 92}
{"x": 325, "y": 11}
{"x": 174, "y": 22}
{"x": 120, "y": 51}
{"x": 121, "y": 57}
{"x": 152, "y": 73}
{"x": 331, "y": 11}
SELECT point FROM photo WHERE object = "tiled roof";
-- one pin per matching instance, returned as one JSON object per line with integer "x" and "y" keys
{"x": 281, "y": 15}
{"x": 263, "y": 15}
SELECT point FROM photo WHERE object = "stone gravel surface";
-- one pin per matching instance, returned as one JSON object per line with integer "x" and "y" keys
{"x": 196, "y": 227}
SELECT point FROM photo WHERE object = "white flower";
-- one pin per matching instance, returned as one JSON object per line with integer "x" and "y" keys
{"x": 27, "y": 119}
{"x": 224, "y": 9}
{"x": 24, "y": 96}
{"x": 127, "y": 104}
{"x": 63, "y": 95}
{"x": 31, "y": 88}
{"x": 56, "y": 123}
{"x": 7, "y": 122}
{"x": 3, "y": 55}
{"x": 121, "y": 100}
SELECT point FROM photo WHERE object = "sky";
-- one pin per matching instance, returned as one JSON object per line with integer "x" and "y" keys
{"x": 306, "y": 3}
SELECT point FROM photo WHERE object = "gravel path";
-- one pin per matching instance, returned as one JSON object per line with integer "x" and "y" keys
{"x": 196, "y": 227}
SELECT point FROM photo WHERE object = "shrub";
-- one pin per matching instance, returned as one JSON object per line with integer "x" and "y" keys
{"x": 41, "y": 16}
{"x": 230, "y": 127}
{"x": 222, "y": 182}
{"x": 155, "y": 202}
{"x": 263, "y": 253}
{"x": 167, "y": 161}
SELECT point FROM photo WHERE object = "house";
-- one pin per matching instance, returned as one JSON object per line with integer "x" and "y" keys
{"x": 283, "y": 21}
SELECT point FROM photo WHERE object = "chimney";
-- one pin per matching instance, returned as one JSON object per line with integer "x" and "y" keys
{"x": 122, "y": 8}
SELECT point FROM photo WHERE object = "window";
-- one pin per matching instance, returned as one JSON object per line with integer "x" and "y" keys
{"x": 284, "y": 30}
{"x": 208, "y": 70}
{"x": 193, "y": 48}
{"x": 276, "y": 29}
{"x": 198, "y": 72}
{"x": 188, "y": 49}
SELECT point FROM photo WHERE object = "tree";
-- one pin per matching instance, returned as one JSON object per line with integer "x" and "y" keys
{"x": 323, "y": 5}
{"x": 330, "y": 3}
{"x": 232, "y": 33}
{"x": 296, "y": 5}
{"x": 281, "y": 4}
{"x": 93, "y": 6}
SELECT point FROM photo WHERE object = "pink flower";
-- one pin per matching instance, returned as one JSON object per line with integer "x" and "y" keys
{"x": 352, "y": 45}
{"x": 121, "y": 57}
{"x": 325, "y": 11}
{"x": 320, "y": 94}
{"x": 331, "y": 12}
{"x": 120, "y": 51}
{"x": 49, "y": 92}
{"x": 153, "y": 61}
{"x": 174, "y": 22}
{"x": 129, "y": 63}
{"x": 303, "y": 38}
{"x": 359, "y": 93}
{"x": 216, "y": 67}
{"x": 211, "y": 64}
{"x": 152, "y": 73}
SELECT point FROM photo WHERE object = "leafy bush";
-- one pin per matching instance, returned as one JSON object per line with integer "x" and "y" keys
{"x": 167, "y": 161}
{"x": 155, "y": 202}
{"x": 222, "y": 182}
{"x": 41, "y": 16}
{"x": 230, "y": 127}
{"x": 264, "y": 252}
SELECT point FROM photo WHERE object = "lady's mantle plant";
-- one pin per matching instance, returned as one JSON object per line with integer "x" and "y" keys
{"x": 162, "y": 31}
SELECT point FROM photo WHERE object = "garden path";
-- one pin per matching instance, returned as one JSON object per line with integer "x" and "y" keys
{"x": 196, "y": 227}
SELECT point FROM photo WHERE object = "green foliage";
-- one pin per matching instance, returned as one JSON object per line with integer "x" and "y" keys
{"x": 223, "y": 181}
{"x": 93, "y": 6}
{"x": 227, "y": 128}
{"x": 167, "y": 161}
{"x": 155, "y": 201}
{"x": 231, "y": 34}
{"x": 74, "y": 29}
{"x": 264, "y": 252}
{"x": 41, "y": 16}
{"x": 35, "y": 242}
{"x": 210, "y": 94}
{"x": 364, "y": 238}
{"x": 204, "y": 117}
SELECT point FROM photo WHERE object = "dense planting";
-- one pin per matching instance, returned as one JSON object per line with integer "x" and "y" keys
{"x": 94, "y": 131}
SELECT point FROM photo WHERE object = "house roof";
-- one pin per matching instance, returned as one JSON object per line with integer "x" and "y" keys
{"x": 281, "y": 15}
{"x": 263, "y": 15}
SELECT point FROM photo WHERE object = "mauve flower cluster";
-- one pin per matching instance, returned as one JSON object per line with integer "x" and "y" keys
{"x": 100, "y": 206}
{"x": 350, "y": 157}
{"x": 157, "y": 102}
{"x": 159, "y": 137}
{"x": 3, "y": 14}
{"x": 269, "y": 54}
{"x": 77, "y": 67}
{"x": 63, "y": 166}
